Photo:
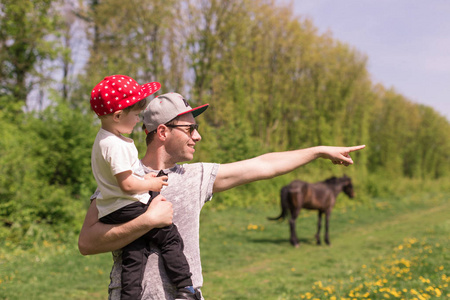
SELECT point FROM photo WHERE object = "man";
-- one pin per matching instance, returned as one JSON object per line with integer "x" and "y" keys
{"x": 172, "y": 135}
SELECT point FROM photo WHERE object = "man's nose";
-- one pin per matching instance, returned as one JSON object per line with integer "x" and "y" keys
{"x": 196, "y": 136}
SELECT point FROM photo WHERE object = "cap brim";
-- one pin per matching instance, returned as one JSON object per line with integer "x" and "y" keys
{"x": 149, "y": 89}
{"x": 196, "y": 111}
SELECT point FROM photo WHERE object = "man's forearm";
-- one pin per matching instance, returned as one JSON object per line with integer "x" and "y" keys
{"x": 97, "y": 237}
{"x": 265, "y": 166}
{"x": 279, "y": 163}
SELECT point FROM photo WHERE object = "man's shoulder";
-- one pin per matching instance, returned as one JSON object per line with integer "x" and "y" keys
{"x": 193, "y": 166}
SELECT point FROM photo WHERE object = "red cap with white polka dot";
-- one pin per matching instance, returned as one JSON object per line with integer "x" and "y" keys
{"x": 117, "y": 92}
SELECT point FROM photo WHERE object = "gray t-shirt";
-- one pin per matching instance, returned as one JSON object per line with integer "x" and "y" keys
{"x": 190, "y": 187}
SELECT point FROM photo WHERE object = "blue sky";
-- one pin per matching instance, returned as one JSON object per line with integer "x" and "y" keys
{"x": 407, "y": 42}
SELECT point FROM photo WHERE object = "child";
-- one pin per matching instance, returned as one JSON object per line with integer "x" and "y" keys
{"x": 124, "y": 188}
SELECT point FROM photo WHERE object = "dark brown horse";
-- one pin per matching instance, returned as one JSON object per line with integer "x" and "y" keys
{"x": 319, "y": 196}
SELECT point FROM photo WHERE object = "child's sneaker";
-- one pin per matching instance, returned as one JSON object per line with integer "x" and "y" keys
{"x": 188, "y": 293}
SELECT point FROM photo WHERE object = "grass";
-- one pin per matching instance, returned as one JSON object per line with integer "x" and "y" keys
{"x": 384, "y": 248}
{"x": 260, "y": 260}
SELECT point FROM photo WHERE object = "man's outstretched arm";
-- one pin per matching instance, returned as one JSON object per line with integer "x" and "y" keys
{"x": 97, "y": 237}
{"x": 274, "y": 164}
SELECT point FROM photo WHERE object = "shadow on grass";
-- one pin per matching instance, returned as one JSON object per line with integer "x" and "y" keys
{"x": 282, "y": 241}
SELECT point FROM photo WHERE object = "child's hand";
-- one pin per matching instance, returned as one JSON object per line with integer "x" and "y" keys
{"x": 153, "y": 175}
{"x": 156, "y": 183}
{"x": 149, "y": 175}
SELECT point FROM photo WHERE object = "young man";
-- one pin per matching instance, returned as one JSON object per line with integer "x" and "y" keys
{"x": 172, "y": 135}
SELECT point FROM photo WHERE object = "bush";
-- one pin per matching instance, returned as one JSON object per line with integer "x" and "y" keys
{"x": 45, "y": 175}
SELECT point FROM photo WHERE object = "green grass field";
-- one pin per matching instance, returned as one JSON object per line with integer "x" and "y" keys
{"x": 381, "y": 249}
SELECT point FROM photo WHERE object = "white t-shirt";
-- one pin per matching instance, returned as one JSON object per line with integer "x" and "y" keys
{"x": 111, "y": 155}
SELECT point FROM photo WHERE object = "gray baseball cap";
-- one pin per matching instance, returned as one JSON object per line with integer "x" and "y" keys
{"x": 166, "y": 107}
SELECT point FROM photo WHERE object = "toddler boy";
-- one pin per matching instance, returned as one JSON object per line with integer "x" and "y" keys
{"x": 124, "y": 187}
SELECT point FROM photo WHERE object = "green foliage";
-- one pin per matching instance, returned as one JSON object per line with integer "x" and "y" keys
{"x": 141, "y": 43}
{"x": 407, "y": 139}
{"x": 27, "y": 42}
{"x": 45, "y": 172}
{"x": 66, "y": 136}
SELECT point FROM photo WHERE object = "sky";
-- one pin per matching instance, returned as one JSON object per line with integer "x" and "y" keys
{"x": 407, "y": 42}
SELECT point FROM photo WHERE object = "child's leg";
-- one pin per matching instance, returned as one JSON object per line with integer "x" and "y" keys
{"x": 134, "y": 255}
{"x": 171, "y": 244}
{"x": 134, "y": 259}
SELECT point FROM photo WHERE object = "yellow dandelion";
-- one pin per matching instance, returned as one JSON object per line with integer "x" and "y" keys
{"x": 438, "y": 292}
{"x": 424, "y": 280}
{"x": 252, "y": 227}
{"x": 421, "y": 297}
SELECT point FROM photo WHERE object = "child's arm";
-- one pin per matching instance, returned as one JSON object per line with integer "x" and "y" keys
{"x": 131, "y": 185}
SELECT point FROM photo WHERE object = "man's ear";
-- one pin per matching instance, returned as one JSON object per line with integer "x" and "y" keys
{"x": 161, "y": 132}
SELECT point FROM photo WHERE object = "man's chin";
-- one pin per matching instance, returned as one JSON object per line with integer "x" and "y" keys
{"x": 188, "y": 157}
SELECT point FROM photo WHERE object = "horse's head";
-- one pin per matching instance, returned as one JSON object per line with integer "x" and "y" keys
{"x": 348, "y": 186}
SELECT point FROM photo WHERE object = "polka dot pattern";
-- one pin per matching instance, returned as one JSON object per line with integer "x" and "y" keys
{"x": 117, "y": 92}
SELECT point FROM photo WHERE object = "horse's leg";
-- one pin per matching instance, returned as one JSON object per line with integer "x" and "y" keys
{"x": 327, "y": 219}
{"x": 294, "y": 238}
{"x": 319, "y": 224}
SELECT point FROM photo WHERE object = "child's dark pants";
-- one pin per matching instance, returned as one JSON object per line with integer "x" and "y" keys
{"x": 135, "y": 254}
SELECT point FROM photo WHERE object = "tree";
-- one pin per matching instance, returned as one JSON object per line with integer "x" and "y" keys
{"x": 27, "y": 43}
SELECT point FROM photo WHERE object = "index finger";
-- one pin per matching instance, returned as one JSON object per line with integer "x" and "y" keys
{"x": 356, "y": 148}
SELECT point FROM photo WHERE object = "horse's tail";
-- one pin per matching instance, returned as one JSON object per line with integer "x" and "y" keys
{"x": 284, "y": 204}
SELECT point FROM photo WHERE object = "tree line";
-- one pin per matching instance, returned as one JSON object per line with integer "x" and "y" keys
{"x": 272, "y": 81}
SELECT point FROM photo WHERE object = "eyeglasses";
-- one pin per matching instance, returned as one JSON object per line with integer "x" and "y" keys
{"x": 192, "y": 127}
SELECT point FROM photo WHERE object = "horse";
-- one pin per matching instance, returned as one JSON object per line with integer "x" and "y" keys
{"x": 319, "y": 196}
